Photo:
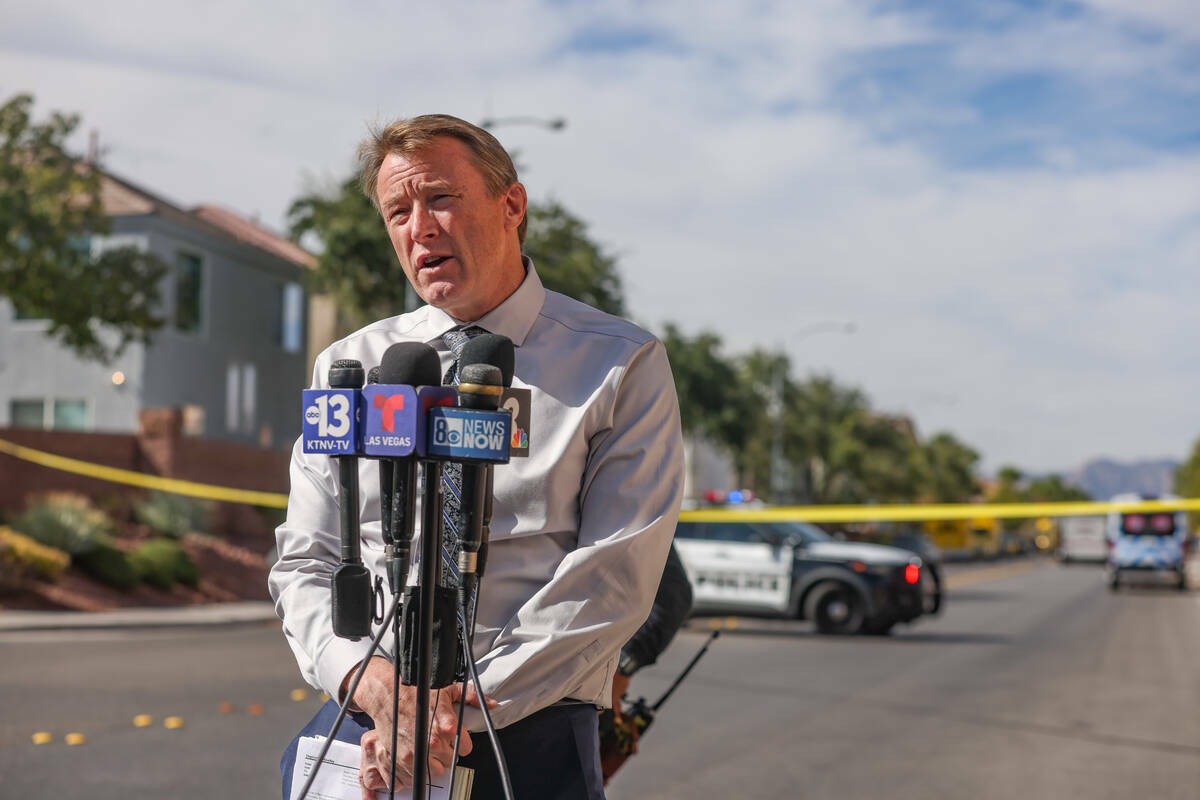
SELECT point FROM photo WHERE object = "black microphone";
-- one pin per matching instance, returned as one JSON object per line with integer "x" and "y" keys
{"x": 350, "y": 587}
{"x": 385, "y": 480}
{"x": 409, "y": 364}
{"x": 485, "y": 369}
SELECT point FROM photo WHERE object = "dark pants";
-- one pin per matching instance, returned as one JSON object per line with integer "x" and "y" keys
{"x": 553, "y": 754}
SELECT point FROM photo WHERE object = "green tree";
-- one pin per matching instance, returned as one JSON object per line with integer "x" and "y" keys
{"x": 1051, "y": 489}
{"x": 1187, "y": 481}
{"x": 569, "y": 261}
{"x": 358, "y": 265}
{"x": 712, "y": 401}
{"x": 835, "y": 448}
{"x": 949, "y": 470}
{"x": 1008, "y": 490}
{"x": 50, "y": 210}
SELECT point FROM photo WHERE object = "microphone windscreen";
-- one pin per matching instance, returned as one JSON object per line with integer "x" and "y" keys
{"x": 490, "y": 348}
{"x": 346, "y": 373}
{"x": 373, "y": 375}
{"x": 410, "y": 364}
{"x": 485, "y": 374}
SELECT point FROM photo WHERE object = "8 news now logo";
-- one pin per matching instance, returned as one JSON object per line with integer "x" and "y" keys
{"x": 477, "y": 434}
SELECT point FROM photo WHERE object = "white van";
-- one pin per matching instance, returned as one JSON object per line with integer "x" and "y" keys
{"x": 1147, "y": 545}
{"x": 1082, "y": 539}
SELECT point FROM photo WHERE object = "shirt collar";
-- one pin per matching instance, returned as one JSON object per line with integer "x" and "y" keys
{"x": 513, "y": 318}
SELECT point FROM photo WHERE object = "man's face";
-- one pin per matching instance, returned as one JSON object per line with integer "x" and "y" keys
{"x": 457, "y": 244}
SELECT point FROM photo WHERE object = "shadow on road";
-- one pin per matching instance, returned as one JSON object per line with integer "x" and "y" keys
{"x": 802, "y": 630}
{"x": 978, "y": 596}
{"x": 948, "y": 638}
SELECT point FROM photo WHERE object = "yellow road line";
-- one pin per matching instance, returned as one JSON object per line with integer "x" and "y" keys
{"x": 989, "y": 574}
{"x": 131, "y": 478}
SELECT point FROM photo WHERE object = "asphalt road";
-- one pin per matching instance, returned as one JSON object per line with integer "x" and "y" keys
{"x": 1035, "y": 683}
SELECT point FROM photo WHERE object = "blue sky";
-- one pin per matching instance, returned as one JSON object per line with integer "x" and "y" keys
{"x": 1003, "y": 196}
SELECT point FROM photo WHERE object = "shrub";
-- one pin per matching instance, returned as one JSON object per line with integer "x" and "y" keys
{"x": 172, "y": 515}
{"x": 65, "y": 521}
{"x": 162, "y": 562}
{"x": 108, "y": 564}
{"x": 22, "y": 556}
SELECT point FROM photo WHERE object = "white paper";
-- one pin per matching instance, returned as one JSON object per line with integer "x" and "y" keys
{"x": 337, "y": 778}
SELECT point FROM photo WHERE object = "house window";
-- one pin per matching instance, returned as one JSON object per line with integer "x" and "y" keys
{"x": 291, "y": 329}
{"x": 233, "y": 393}
{"x": 21, "y": 315}
{"x": 249, "y": 397}
{"x": 189, "y": 295}
{"x": 59, "y": 414}
{"x": 70, "y": 415}
{"x": 27, "y": 413}
{"x": 241, "y": 398}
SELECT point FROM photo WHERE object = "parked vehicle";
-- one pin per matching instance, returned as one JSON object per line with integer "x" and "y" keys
{"x": 1082, "y": 539}
{"x": 915, "y": 540}
{"x": 1147, "y": 545}
{"x": 795, "y": 569}
{"x": 961, "y": 539}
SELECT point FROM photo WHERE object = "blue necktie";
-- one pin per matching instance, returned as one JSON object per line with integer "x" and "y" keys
{"x": 456, "y": 340}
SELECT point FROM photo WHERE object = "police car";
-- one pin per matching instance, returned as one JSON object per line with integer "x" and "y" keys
{"x": 1145, "y": 545}
{"x": 795, "y": 569}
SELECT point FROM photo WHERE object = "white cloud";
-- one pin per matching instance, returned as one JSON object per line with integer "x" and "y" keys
{"x": 1028, "y": 310}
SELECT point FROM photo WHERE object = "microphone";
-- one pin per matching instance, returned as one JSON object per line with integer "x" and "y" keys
{"x": 485, "y": 369}
{"x": 407, "y": 364}
{"x": 350, "y": 587}
{"x": 385, "y": 479}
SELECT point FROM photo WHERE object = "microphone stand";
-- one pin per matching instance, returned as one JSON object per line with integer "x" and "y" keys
{"x": 431, "y": 549}
{"x": 398, "y": 527}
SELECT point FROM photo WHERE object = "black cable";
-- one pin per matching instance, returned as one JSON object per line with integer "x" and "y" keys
{"x": 395, "y": 698}
{"x": 468, "y": 630}
{"x": 505, "y": 780}
{"x": 337, "y": 723}
{"x": 437, "y": 699}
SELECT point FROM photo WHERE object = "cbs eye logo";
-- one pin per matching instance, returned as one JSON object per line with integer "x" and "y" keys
{"x": 448, "y": 431}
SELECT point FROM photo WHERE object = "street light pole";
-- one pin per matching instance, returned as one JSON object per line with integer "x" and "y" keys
{"x": 552, "y": 124}
{"x": 779, "y": 465}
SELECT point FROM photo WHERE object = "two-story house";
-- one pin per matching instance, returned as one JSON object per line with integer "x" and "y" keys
{"x": 235, "y": 352}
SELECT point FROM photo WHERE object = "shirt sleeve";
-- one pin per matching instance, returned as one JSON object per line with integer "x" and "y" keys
{"x": 309, "y": 550}
{"x": 632, "y": 485}
{"x": 672, "y": 604}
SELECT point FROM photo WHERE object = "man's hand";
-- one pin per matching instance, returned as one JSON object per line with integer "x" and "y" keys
{"x": 374, "y": 696}
{"x": 620, "y": 687}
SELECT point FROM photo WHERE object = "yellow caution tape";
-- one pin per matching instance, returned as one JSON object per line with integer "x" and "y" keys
{"x": 131, "y": 478}
{"x": 918, "y": 513}
{"x": 830, "y": 513}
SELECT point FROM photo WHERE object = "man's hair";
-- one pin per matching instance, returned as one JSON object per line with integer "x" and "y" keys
{"x": 407, "y": 136}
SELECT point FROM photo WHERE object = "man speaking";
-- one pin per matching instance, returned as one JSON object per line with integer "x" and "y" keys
{"x": 581, "y": 526}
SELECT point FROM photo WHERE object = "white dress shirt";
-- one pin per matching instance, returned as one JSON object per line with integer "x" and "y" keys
{"x": 580, "y": 528}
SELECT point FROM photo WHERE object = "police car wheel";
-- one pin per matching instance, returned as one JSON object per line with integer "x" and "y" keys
{"x": 835, "y": 608}
{"x": 1114, "y": 582}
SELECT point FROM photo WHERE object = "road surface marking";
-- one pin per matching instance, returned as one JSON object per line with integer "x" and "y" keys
{"x": 990, "y": 574}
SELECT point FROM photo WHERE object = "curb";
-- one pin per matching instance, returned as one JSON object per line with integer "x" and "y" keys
{"x": 214, "y": 614}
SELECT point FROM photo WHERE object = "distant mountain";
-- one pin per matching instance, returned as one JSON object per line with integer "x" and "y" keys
{"x": 1102, "y": 478}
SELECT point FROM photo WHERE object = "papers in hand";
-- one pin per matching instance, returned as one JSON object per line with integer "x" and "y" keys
{"x": 337, "y": 779}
